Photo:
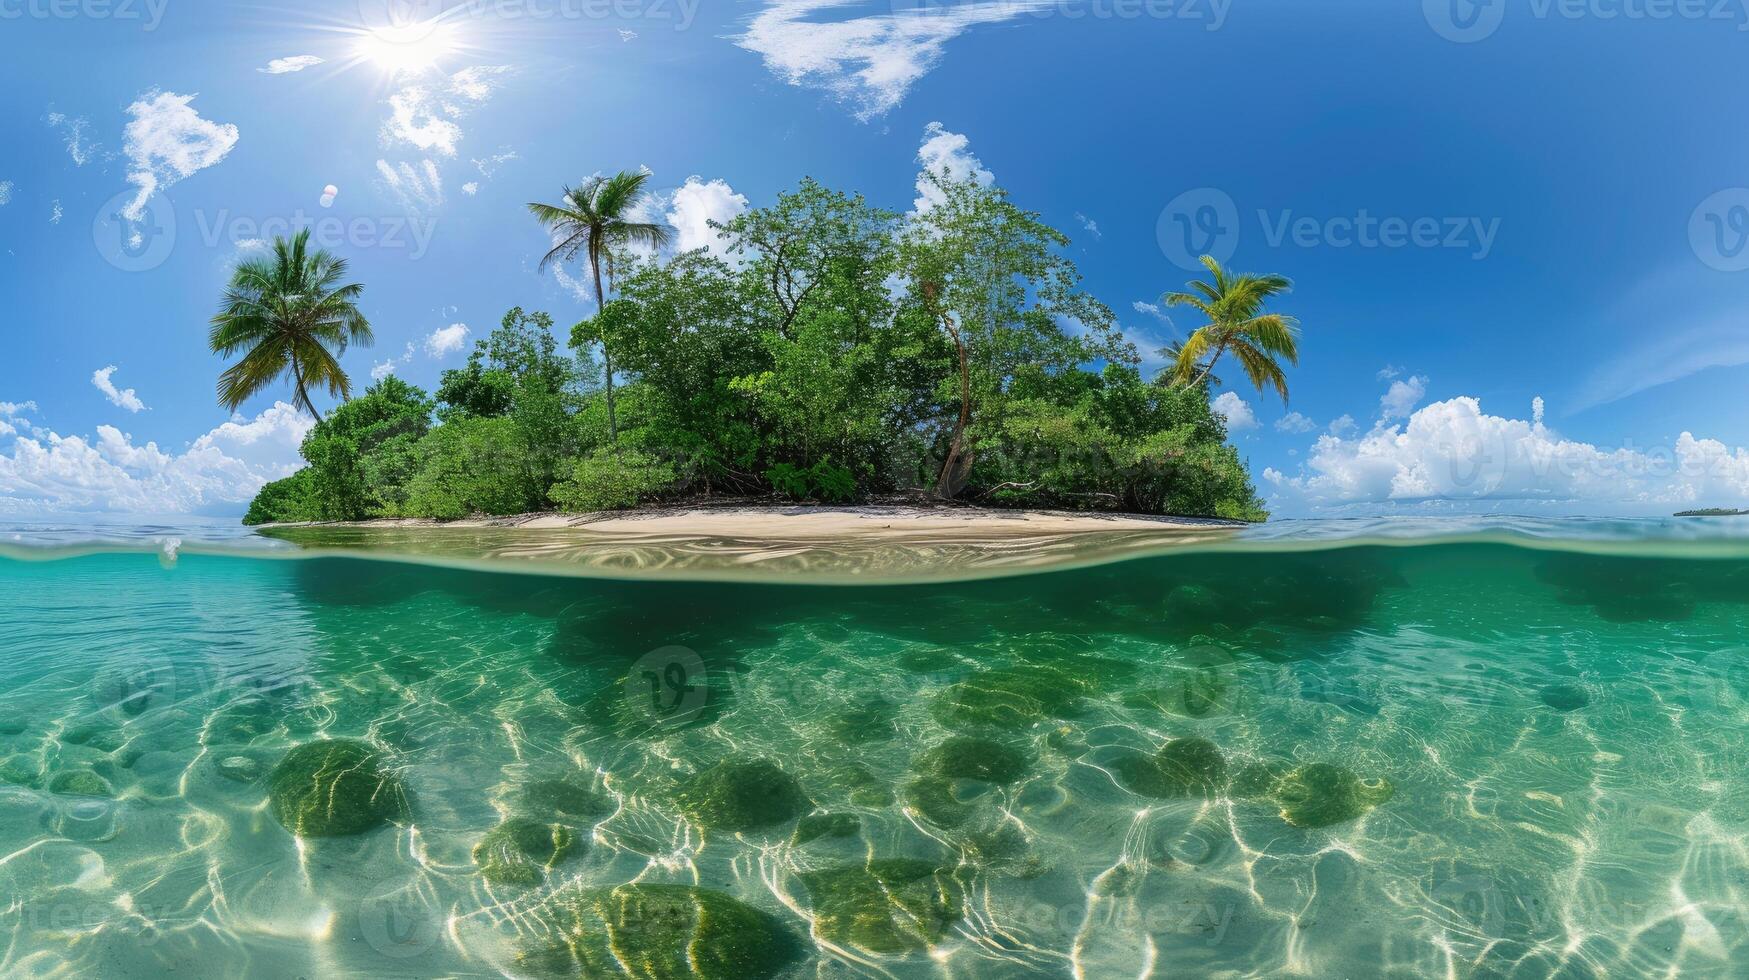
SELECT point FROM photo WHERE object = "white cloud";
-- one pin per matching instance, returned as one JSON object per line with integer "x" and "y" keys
{"x": 74, "y": 133}
{"x": 121, "y": 398}
{"x": 471, "y": 188}
{"x": 446, "y": 340}
{"x": 1388, "y": 372}
{"x": 696, "y": 205}
{"x": 1341, "y": 424}
{"x": 383, "y": 369}
{"x": 1089, "y": 224}
{"x": 1294, "y": 422}
{"x": 870, "y": 61}
{"x": 281, "y": 66}
{"x": 48, "y": 473}
{"x": 427, "y": 116}
{"x": 1237, "y": 411}
{"x": 55, "y": 211}
{"x": 947, "y": 155}
{"x": 1402, "y": 397}
{"x": 625, "y": 35}
{"x": 165, "y": 141}
{"x": 419, "y": 186}
{"x": 489, "y": 165}
{"x": 5, "y": 192}
{"x": 1452, "y": 451}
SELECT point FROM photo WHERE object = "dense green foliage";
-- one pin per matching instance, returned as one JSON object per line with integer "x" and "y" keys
{"x": 827, "y": 351}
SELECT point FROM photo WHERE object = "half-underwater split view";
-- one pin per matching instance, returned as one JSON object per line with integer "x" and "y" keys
{"x": 941, "y": 489}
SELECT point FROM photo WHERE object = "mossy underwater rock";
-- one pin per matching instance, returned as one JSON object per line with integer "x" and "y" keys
{"x": 1565, "y": 697}
{"x": 1009, "y": 698}
{"x": 817, "y": 826}
{"x": 1185, "y": 767}
{"x": 965, "y": 757}
{"x": 932, "y": 797}
{"x": 18, "y": 770}
{"x": 560, "y": 798}
{"x": 658, "y": 932}
{"x": 889, "y": 906}
{"x": 521, "y": 851}
{"x": 335, "y": 788}
{"x": 743, "y": 794}
{"x": 79, "y": 782}
{"x": 1323, "y": 795}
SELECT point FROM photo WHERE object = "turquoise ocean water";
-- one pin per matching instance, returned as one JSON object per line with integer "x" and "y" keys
{"x": 1469, "y": 748}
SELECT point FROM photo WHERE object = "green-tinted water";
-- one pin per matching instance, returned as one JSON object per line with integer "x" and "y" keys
{"x": 1470, "y": 759}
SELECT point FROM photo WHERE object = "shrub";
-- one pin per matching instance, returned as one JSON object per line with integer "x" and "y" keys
{"x": 605, "y": 481}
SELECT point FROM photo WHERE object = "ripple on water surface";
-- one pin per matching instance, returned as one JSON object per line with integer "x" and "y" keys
{"x": 1467, "y": 758}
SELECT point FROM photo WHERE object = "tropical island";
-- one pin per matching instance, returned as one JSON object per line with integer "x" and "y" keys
{"x": 1713, "y": 512}
{"x": 830, "y": 352}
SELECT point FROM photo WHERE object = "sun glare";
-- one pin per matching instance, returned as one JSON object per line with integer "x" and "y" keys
{"x": 408, "y": 48}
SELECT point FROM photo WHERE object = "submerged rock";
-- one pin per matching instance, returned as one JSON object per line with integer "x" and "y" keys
{"x": 1322, "y": 795}
{"x": 889, "y": 906}
{"x": 520, "y": 851}
{"x": 821, "y": 825}
{"x": 657, "y": 932}
{"x": 742, "y": 795}
{"x": 94, "y": 736}
{"x": 1565, "y": 697}
{"x": 932, "y": 797}
{"x": 1185, "y": 767}
{"x": 1010, "y": 698}
{"x": 964, "y": 757}
{"x": 18, "y": 770}
{"x": 334, "y": 789}
{"x": 560, "y": 798}
{"x": 79, "y": 782}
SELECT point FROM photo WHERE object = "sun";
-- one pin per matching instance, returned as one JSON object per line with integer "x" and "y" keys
{"x": 408, "y": 48}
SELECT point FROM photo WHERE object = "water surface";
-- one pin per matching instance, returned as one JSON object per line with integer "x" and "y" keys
{"x": 1515, "y": 749}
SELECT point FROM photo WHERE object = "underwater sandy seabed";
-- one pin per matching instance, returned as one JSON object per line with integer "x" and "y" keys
{"x": 1454, "y": 758}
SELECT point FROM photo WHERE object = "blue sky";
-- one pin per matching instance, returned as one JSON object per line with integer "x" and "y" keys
{"x": 1480, "y": 205}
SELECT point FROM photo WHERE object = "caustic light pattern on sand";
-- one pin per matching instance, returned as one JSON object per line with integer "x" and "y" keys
{"x": 1462, "y": 758}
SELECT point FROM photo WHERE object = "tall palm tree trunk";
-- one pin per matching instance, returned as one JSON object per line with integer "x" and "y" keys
{"x": 1210, "y": 369}
{"x": 947, "y": 485}
{"x": 303, "y": 395}
{"x": 606, "y": 355}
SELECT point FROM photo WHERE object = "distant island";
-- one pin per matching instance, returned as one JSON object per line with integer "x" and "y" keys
{"x": 1712, "y": 512}
{"x": 824, "y": 351}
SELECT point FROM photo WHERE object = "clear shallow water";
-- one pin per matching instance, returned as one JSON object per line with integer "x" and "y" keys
{"x": 1471, "y": 757}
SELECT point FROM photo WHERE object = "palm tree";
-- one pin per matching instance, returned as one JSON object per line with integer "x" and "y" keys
{"x": 1237, "y": 323}
{"x": 288, "y": 314}
{"x": 593, "y": 220}
{"x": 1170, "y": 354}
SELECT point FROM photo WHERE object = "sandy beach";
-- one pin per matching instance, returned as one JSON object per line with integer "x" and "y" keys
{"x": 743, "y": 522}
{"x": 817, "y": 543}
